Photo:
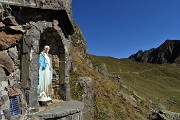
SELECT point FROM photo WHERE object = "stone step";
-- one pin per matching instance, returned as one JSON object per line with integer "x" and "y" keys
{"x": 61, "y": 110}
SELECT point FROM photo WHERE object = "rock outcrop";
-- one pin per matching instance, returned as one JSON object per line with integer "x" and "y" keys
{"x": 165, "y": 115}
{"x": 79, "y": 41}
{"x": 168, "y": 52}
{"x": 86, "y": 83}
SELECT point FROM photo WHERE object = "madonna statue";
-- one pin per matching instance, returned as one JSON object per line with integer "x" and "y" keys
{"x": 45, "y": 75}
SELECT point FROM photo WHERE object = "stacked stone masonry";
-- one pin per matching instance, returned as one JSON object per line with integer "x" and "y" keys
{"x": 43, "y": 4}
{"x": 24, "y": 30}
{"x": 9, "y": 69}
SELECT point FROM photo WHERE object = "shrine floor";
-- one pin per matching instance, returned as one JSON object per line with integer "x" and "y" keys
{"x": 60, "y": 110}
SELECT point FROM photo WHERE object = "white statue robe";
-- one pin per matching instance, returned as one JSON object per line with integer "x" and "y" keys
{"x": 45, "y": 76}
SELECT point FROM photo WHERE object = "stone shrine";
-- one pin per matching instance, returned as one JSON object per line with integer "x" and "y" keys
{"x": 26, "y": 26}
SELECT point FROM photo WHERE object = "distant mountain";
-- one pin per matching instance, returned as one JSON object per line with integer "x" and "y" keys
{"x": 168, "y": 52}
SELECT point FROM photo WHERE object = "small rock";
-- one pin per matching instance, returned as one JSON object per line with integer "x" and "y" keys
{"x": 131, "y": 100}
{"x": 6, "y": 61}
{"x": 4, "y": 92}
{"x": 17, "y": 89}
{"x": 2, "y": 74}
{"x": 10, "y": 20}
{"x": 11, "y": 92}
{"x": 1, "y": 25}
{"x": 4, "y": 83}
{"x": 1, "y": 102}
{"x": 14, "y": 91}
{"x": 23, "y": 104}
{"x": 1, "y": 89}
{"x": 4, "y": 97}
{"x": 13, "y": 53}
{"x": 17, "y": 28}
{"x": 7, "y": 114}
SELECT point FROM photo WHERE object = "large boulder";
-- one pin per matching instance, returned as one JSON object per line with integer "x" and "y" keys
{"x": 87, "y": 94}
{"x": 102, "y": 69}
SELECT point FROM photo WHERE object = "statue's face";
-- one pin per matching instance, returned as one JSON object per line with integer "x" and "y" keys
{"x": 47, "y": 50}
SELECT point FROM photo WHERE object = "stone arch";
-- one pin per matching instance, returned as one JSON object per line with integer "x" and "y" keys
{"x": 51, "y": 37}
{"x": 44, "y": 33}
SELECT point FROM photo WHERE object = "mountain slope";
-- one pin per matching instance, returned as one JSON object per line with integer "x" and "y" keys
{"x": 111, "y": 101}
{"x": 123, "y": 89}
{"x": 157, "y": 83}
{"x": 165, "y": 53}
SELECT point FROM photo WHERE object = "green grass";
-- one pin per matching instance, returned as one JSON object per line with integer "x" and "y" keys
{"x": 159, "y": 83}
{"x": 107, "y": 101}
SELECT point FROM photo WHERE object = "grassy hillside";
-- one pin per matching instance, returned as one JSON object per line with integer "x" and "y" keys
{"x": 143, "y": 88}
{"x": 156, "y": 83}
{"x": 108, "y": 103}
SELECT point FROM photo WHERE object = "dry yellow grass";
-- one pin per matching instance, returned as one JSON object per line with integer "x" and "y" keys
{"x": 108, "y": 104}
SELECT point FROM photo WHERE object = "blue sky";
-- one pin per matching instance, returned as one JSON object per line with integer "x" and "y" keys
{"x": 119, "y": 28}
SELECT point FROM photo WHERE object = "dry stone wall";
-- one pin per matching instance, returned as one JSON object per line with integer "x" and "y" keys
{"x": 23, "y": 34}
{"x": 9, "y": 69}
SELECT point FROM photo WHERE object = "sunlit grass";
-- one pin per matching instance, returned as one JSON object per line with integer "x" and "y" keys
{"x": 159, "y": 83}
{"x": 108, "y": 104}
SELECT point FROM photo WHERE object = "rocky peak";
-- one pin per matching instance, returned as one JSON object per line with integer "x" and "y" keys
{"x": 167, "y": 52}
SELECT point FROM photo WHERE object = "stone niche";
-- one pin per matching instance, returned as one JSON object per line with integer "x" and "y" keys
{"x": 24, "y": 31}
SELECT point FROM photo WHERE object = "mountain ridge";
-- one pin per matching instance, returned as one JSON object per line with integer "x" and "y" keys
{"x": 167, "y": 52}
